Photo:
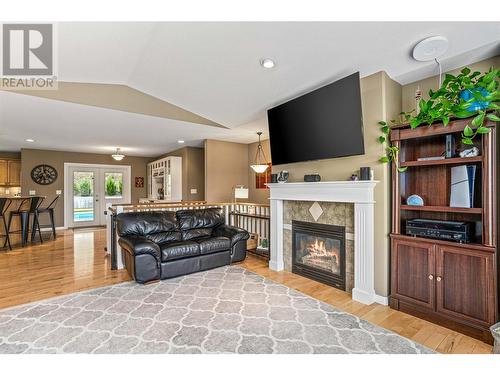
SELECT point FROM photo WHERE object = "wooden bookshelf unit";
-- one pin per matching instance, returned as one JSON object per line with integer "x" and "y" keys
{"x": 449, "y": 283}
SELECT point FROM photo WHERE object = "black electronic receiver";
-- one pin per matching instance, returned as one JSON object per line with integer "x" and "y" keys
{"x": 312, "y": 178}
{"x": 457, "y": 231}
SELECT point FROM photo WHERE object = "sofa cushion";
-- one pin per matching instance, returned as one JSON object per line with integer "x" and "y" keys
{"x": 195, "y": 219}
{"x": 233, "y": 233}
{"x": 164, "y": 237}
{"x": 213, "y": 244}
{"x": 178, "y": 250}
{"x": 144, "y": 223}
{"x": 196, "y": 233}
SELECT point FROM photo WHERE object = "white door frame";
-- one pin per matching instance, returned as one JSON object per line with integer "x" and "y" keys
{"x": 68, "y": 183}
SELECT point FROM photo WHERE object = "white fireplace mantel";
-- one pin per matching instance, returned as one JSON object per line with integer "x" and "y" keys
{"x": 361, "y": 193}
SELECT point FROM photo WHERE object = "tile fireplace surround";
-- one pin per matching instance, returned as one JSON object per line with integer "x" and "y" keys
{"x": 332, "y": 213}
{"x": 358, "y": 193}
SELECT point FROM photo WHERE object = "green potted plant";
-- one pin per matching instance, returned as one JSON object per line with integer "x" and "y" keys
{"x": 469, "y": 94}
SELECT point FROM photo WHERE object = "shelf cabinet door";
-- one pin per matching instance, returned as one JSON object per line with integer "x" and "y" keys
{"x": 4, "y": 172}
{"x": 14, "y": 167}
{"x": 465, "y": 284}
{"x": 413, "y": 272}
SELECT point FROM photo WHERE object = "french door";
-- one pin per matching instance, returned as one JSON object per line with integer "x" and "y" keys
{"x": 88, "y": 188}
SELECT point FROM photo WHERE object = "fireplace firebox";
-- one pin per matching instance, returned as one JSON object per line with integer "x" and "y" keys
{"x": 318, "y": 252}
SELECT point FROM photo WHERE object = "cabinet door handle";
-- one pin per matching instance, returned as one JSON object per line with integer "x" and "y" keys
{"x": 438, "y": 278}
{"x": 431, "y": 277}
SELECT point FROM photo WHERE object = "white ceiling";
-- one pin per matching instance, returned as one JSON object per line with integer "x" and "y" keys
{"x": 57, "y": 125}
{"x": 212, "y": 69}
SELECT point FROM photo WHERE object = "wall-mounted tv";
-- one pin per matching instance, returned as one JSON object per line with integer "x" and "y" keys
{"x": 325, "y": 123}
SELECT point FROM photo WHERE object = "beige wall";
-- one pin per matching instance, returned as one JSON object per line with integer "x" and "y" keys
{"x": 30, "y": 158}
{"x": 193, "y": 172}
{"x": 433, "y": 82}
{"x": 226, "y": 165}
{"x": 257, "y": 195}
{"x": 381, "y": 100}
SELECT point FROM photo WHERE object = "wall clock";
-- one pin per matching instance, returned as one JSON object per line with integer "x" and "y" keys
{"x": 43, "y": 174}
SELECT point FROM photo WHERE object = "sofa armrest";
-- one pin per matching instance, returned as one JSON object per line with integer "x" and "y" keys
{"x": 233, "y": 233}
{"x": 138, "y": 245}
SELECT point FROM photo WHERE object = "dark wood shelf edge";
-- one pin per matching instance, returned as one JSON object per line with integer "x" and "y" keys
{"x": 472, "y": 246}
{"x": 461, "y": 210}
{"x": 419, "y": 163}
{"x": 455, "y": 126}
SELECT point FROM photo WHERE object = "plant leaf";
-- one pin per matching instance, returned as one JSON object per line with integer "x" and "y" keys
{"x": 381, "y": 139}
{"x": 383, "y": 123}
{"x": 463, "y": 114}
{"x": 402, "y": 169}
{"x": 493, "y": 117}
{"x": 423, "y": 105}
{"x": 384, "y": 159}
{"x": 483, "y": 130}
{"x": 446, "y": 120}
{"x": 447, "y": 78}
{"x": 467, "y": 141}
{"x": 465, "y": 71}
{"x": 414, "y": 122}
{"x": 478, "y": 120}
{"x": 468, "y": 132}
{"x": 489, "y": 77}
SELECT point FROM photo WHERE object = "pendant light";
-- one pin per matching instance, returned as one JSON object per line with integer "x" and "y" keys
{"x": 260, "y": 163}
{"x": 117, "y": 156}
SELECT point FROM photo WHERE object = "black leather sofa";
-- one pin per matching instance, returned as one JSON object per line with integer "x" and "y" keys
{"x": 163, "y": 244}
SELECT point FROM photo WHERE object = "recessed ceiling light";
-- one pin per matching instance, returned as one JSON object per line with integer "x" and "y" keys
{"x": 267, "y": 63}
{"x": 29, "y": 140}
{"x": 180, "y": 141}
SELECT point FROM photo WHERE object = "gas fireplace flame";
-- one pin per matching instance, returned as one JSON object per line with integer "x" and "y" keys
{"x": 317, "y": 248}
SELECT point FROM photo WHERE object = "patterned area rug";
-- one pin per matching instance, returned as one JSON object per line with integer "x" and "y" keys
{"x": 225, "y": 310}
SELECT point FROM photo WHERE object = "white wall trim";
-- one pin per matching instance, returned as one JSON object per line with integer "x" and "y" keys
{"x": 361, "y": 193}
{"x": 381, "y": 300}
{"x": 48, "y": 229}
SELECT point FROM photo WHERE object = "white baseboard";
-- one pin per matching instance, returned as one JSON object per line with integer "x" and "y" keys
{"x": 276, "y": 266}
{"x": 50, "y": 229}
{"x": 368, "y": 298}
{"x": 381, "y": 300}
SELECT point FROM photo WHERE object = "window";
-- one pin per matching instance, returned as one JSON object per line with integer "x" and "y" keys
{"x": 113, "y": 185}
{"x": 83, "y": 196}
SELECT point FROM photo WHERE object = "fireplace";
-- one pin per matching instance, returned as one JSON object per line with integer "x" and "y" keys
{"x": 318, "y": 252}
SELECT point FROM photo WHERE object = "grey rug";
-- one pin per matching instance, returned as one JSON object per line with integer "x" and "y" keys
{"x": 225, "y": 310}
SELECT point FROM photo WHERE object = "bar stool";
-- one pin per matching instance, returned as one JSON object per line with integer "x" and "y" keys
{"x": 36, "y": 222}
{"x": 24, "y": 214}
{"x": 4, "y": 206}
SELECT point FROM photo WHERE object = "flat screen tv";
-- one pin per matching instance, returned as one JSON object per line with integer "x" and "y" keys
{"x": 325, "y": 123}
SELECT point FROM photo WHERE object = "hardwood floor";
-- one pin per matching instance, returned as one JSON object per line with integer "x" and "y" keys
{"x": 76, "y": 261}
